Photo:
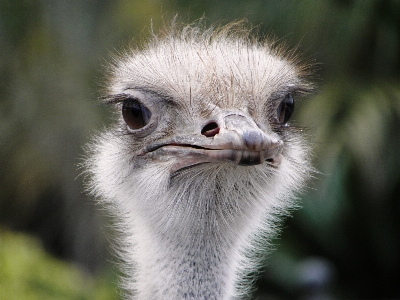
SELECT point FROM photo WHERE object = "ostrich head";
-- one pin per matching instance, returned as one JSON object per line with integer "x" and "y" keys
{"x": 201, "y": 161}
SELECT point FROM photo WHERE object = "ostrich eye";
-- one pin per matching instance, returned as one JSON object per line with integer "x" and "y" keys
{"x": 135, "y": 114}
{"x": 285, "y": 109}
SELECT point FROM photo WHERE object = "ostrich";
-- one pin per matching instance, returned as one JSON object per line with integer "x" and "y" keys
{"x": 201, "y": 163}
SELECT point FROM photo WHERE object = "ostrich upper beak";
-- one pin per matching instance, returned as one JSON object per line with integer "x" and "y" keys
{"x": 234, "y": 138}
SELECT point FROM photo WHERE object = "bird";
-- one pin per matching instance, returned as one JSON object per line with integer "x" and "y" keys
{"x": 202, "y": 162}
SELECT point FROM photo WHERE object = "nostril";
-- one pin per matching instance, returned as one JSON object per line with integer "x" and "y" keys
{"x": 210, "y": 130}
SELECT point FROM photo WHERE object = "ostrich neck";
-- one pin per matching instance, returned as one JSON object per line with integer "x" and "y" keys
{"x": 195, "y": 270}
{"x": 196, "y": 260}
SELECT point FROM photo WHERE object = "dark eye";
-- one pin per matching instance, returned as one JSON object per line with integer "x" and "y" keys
{"x": 135, "y": 114}
{"x": 285, "y": 109}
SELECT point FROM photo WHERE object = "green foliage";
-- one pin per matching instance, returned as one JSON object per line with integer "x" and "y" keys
{"x": 27, "y": 272}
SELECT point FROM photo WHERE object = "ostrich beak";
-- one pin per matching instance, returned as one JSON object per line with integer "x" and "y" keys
{"x": 235, "y": 138}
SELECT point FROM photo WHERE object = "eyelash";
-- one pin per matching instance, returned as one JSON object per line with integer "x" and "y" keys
{"x": 117, "y": 99}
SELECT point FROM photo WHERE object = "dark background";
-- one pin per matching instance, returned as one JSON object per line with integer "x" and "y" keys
{"x": 343, "y": 243}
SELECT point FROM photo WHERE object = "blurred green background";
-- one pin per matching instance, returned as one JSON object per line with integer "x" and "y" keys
{"x": 343, "y": 243}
